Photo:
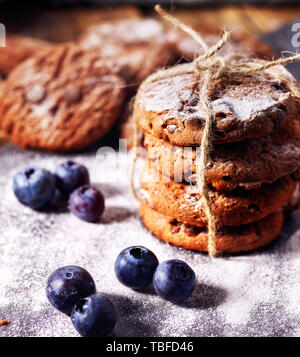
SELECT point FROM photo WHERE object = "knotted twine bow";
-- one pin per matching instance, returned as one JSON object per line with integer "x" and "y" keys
{"x": 210, "y": 66}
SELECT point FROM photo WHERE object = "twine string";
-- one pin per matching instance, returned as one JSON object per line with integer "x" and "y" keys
{"x": 210, "y": 66}
{"x": 134, "y": 155}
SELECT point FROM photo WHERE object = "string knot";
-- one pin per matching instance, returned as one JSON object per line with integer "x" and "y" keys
{"x": 215, "y": 66}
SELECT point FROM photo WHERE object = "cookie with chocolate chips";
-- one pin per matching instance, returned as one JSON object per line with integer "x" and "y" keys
{"x": 138, "y": 46}
{"x": 184, "y": 202}
{"x": 17, "y": 50}
{"x": 236, "y": 239}
{"x": 61, "y": 99}
{"x": 246, "y": 164}
{"x": 243, "y": 107}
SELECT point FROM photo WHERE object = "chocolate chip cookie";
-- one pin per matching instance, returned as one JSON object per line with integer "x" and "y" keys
{"x": 139, "y": 46}
{"x": 184, "y": 203}
{"x": 61, "y": 99}
{"x": 228, "y": 239}
{"x": 17, "y": 50}
{"x": 245, "y": 164}
{"x": 243, "y": 107}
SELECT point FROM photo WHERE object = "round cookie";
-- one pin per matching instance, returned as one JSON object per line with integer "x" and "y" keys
{"x": 243, "y": 43}
{"x": 61, "y": 99}
{"x": 17, "y": 50}
{"x": 243, "y": 107}
{"x": 245, "y": 164}
{"x": 229, "y": 240}
{"x": 184, "y": 203}
{"x": 139, "y": 46}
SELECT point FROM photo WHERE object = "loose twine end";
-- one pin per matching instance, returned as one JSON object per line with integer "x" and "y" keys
{"x": 210, "y": 66}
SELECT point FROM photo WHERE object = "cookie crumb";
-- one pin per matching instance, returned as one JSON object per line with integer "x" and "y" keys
{"x": 4, "y": 322}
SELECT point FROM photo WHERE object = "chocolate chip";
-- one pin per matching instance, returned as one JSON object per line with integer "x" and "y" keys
{"x": 35, "y": 93}
{"x": 221, "y": 115}
{"x": 193, "y": 121}
{"x": 192, "y": 109}
{"x": 54, "y": 110}
{"x": 179, "y": 107}
{"x": 227, "y": 178}
{"x": 192, "y": 231}
{"x": 171, "y": 128}
{"x": 253, "y": 209}
{"x": 193, "y": 101}
{"x": 176, "y": 226}
{"x": 282, "y": 87}
{"x": 72, "y": 94}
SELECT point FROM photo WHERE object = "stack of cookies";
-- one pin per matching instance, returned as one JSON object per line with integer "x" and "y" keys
{"x": 252, "y": 173}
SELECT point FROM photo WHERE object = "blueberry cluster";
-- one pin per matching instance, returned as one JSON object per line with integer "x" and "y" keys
{"x": 137, "y": 267}
{"x": 35, "y": 187}
{"x": 71, "y": 290}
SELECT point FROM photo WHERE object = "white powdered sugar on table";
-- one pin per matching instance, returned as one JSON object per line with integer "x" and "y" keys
{"x": 254, "y": 294}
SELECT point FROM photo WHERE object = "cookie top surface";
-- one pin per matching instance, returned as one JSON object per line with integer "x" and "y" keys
{"x": 242, "y": 43}
{"x": 17, "y": 50}
{"x": 243, "y": 107}
{"x": 61, "y": 99}
{"x": 138, "y": 46}
{"x": 183, "y": 202}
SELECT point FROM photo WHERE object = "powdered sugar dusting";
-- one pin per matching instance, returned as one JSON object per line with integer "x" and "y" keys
{"x": 255, "y": 294}
{"x": 243, "y": 108}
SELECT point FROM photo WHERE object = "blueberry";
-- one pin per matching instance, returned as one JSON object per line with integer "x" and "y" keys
{"x": 174, "y": 280}
{"x": 135, "y": 267}
{"x": 87, "y": 203}
{"x": 94, "y": 316}
{"x": 34, "y": 187}
{"x": 70, "y": 176}
{"x": 67, "y": 285}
